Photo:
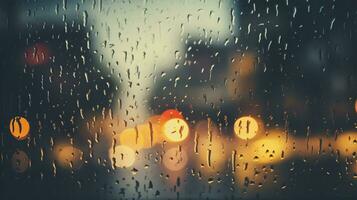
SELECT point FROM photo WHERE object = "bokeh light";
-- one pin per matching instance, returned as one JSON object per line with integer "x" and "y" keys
{"x": 122, "y": 156}
{"x": 68, "y": 156}
{"x": 346, "y": 143}
{"x": 141, "y": 136}
{"x": 175, "y": 159}
{"x": 211, "y": 147}
{"x": 246, "y": 127}
{"x": 176, "y": 130}
{"x": 170, "y": 114}
{"x": 20, "y": 161}
{"x": 19, "y": 127}
{"x": 178, "y": 99}
{"x": 155, "y": 119}
{"x": 271, "y": 148}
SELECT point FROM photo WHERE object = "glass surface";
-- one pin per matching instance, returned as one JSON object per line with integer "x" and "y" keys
{"x": 178, "y": 99}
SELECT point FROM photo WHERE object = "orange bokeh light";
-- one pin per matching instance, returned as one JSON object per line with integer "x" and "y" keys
{"x": 68, "y": 156}
{"x": 170, "y": 114}
{"x": 19, "y": 127}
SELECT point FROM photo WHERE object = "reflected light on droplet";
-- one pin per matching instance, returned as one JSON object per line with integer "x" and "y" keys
{"x": 69, "y": 157}
{"x": 20, "y": 161}
{"x": 246, "y": 127}
{"x": 122, "y": 156}
{"x": 19, "y": 128}
{"x": 176, "y": 130}
{"x": 175, "y": 159}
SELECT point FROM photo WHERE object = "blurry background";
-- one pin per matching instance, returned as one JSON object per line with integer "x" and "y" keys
{"x": 98, "y": 82}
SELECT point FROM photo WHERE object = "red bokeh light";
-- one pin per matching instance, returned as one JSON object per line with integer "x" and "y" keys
{"x": 38, "y": 54}
{"x": 169, "y": 114}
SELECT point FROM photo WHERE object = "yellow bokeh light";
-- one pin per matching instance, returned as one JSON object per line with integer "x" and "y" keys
{"x": 271, "y": 148}
{"x": 246, "y": 127}
{"x": 176, "y": 130}
{"x": 175, "y": 159}
{"x": 68, "y": 156}
{"x": 210, "y": 146}
{"x": 132, "y": 138}
{"x": 20, "y": 161}
{"x": 142, "y": 136}
{"x": 346, "y": 143}
{"x": 122, "y": 156}
{"x": 19, "y": 128}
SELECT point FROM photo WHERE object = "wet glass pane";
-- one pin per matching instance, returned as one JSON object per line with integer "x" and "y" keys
{"x": 178, "y": 99}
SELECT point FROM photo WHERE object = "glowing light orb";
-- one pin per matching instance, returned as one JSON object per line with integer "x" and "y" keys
{"x": 176, "y": 130}
{"x": 68, "y": 156}
{"x": 19, "y": 128}
{"x": 20, "y": 161}
{"x": 272, "y": 148}
{"x": 246, "y": 127}
{"x": 122, "y": 156}
{"x": 175, "y": 159}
